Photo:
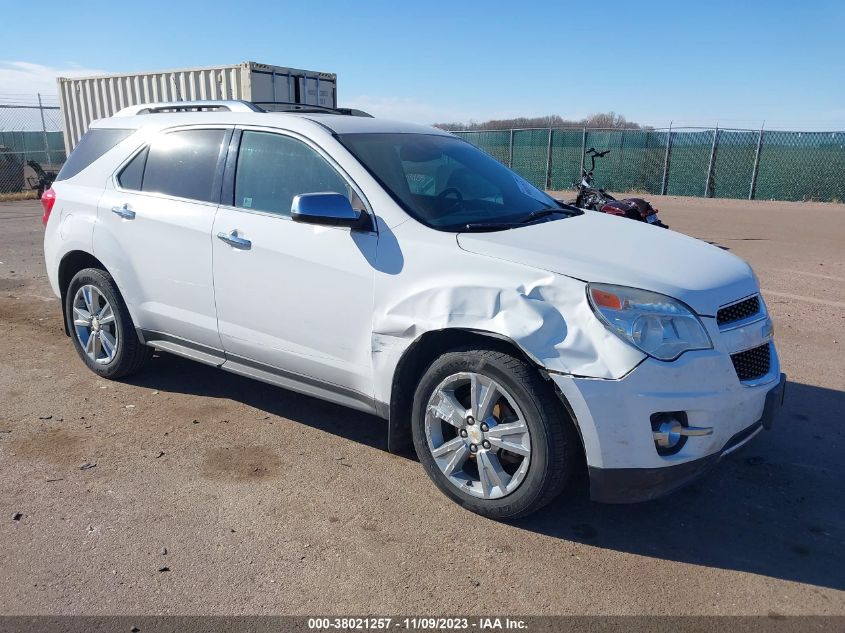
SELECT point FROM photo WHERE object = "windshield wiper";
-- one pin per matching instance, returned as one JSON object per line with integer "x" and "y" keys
{"x": 545, "y": 212}
{"x": 478, "y": 227}
{"x": 500, "y": 225}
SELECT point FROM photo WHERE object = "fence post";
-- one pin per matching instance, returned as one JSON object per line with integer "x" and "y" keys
{"x": 44, "y": 131}
{"x": 708, "y": 187}
{"x": 510, "y": 151}
{"x": 549, "y": 162}
{"x": 664, "y": 187}
{"x": 756, "y": 167}
{"x": 583, "y": 149}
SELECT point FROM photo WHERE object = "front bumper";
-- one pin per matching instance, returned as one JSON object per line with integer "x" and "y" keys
{"x": 613, "y": 417}
{"x": 632, "y": 485}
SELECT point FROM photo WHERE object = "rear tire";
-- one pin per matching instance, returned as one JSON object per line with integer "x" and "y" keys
{"x": 468, "y": 458}
{"x": 100, "y": 326}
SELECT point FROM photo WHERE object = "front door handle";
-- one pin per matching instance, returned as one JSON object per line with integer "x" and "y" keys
{"x": 233, "y": 239}
{"x": 125, "y": 212}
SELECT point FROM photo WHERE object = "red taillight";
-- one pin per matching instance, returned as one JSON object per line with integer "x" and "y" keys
{"x": 610, "y": 209}
{"x": 48, "y": 199}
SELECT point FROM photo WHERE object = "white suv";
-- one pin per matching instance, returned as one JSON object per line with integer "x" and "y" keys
{"x": 399, "y": 270}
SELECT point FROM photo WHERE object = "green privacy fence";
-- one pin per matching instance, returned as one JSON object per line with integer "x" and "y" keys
{"x": 720, "y": 163}
{"x": 17, "y": 152}
{"x": 44, "y": 147}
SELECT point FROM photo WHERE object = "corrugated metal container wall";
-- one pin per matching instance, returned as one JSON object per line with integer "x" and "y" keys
{"x": 86, "y": 99}
{"x": 285, "y": 84}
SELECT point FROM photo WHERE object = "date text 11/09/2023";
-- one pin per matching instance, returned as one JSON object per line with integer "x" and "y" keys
{"x": 417, "y": 624}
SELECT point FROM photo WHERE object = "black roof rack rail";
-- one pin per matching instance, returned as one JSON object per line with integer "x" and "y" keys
{"x": 291, "y": 106}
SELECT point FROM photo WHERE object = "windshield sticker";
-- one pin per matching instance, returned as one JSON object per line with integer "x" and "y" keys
{"x": 247, "y": 203}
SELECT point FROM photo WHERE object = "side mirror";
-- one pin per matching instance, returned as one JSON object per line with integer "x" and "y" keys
{"x": 329, "y": 209}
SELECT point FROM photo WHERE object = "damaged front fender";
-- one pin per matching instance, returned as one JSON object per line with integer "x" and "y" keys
{"x": 441, "y": 287}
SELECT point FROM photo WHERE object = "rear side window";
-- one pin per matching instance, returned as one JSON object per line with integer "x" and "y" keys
{"x": 91, "y": 146}
{"x": 132, "y": 175}
{"x": 183, "y": 164}
{"x": 272, "y": 169}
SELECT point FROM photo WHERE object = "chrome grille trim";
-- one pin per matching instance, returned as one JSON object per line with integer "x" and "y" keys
{"x": 740, "y": 313}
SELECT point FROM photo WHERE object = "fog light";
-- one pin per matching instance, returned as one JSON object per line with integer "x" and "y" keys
{"x": 671, "y": 429}
{"x": 668, "y": 434}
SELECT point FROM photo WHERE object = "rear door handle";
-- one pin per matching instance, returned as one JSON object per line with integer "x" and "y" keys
{"x": 233, "y": 239}
{"x": 125, "y": 212}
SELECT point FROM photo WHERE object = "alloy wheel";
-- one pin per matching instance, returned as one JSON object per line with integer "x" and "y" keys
{"x": 94, "y": 324}
{"x": 477, "y": 435}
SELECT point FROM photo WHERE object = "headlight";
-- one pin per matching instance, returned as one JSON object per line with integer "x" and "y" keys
{"x": 660, "y": 326}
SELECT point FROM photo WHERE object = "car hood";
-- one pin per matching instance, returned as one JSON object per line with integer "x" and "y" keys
{"x": 601, "y": 248}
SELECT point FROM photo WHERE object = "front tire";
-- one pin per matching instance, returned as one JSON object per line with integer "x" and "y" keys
{"x": 100, "y": 326}
{"x": 491, "y": 434}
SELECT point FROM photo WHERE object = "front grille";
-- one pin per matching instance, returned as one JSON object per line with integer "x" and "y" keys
{"x": 752, "y": 363}
{"x": 738, "y": 311}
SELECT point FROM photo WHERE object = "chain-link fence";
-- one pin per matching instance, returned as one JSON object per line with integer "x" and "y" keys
{"x": 720, "y": 163}
{"x": 32, "y": 148}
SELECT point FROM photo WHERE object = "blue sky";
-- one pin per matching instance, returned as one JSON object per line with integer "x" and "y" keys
{"x": 693, "y": 63}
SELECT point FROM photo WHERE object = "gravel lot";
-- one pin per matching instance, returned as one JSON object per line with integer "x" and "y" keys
{"x": 215, "y": 494}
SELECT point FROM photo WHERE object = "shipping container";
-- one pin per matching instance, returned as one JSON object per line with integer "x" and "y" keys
{"x": 85, "y": 99}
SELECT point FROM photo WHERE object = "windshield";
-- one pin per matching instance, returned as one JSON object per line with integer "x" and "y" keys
{"x": 446, "y": 183}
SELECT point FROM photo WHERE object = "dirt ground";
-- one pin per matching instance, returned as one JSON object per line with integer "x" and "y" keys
{"x": 213, "y": 494}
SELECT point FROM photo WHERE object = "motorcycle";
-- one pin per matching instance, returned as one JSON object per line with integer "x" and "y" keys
{"x": 597, "y": 199}
{"x": 43, "y": 179}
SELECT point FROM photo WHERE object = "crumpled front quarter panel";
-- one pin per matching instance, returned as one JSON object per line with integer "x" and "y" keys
{"x": 426, "y": 282}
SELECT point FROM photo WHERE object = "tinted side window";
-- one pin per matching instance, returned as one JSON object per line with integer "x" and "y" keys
{"x": 272, "y": 169}
{"x": 91, "y": 146}
{"x": 133, "y": 174}
{"x": 183, "y": 164}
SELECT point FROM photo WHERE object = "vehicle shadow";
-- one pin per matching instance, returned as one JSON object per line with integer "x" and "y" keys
{"x": 167, "y": 372}
{"x": 774, "y": 508}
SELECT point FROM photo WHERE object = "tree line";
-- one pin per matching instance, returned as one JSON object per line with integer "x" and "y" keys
{"x": 599, "y": 120}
